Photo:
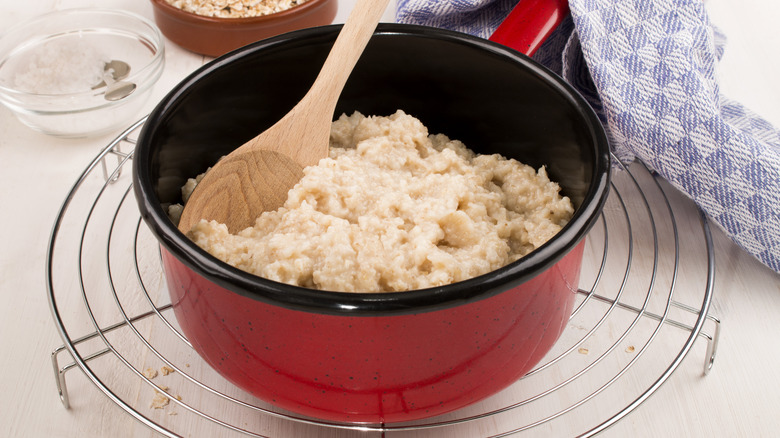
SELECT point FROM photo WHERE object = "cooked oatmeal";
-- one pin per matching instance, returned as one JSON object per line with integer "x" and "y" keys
{"x": 234, "y": 8}
{"x": 394, "y": 209}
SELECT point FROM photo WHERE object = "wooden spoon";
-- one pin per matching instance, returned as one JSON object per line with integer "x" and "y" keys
{"x": 257, "y": 176}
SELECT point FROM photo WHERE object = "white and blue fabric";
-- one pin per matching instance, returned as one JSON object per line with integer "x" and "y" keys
{"x": 648, "y": 68}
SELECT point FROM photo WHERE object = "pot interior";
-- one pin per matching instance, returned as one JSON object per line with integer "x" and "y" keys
{"x": 456, "y": 88}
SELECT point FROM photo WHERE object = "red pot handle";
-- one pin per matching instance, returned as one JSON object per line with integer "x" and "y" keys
{"x": 530, "y": 23}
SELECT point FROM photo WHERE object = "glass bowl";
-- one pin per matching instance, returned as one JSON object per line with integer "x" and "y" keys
{"x": 53, "y": 69}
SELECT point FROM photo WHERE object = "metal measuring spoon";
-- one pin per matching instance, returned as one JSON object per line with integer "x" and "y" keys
{"x": 113, "y": 73}
{"x": 116, "y": 90}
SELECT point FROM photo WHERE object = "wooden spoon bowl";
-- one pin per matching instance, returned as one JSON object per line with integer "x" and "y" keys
{"x": 257, "y": 176}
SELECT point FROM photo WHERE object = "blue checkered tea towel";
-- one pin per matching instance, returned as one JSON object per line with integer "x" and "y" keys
{"x": 648, "y": 68}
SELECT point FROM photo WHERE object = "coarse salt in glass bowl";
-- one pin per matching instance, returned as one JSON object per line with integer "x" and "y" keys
{"x": 52, "y": 69}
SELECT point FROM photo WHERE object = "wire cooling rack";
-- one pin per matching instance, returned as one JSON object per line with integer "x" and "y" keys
{"x": 647, "y": 282}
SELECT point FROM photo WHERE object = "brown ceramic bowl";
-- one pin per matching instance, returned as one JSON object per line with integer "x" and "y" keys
{"x": 215, "y": 36}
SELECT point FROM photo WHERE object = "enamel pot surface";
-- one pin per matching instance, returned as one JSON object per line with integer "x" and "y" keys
{"x": 368, "y": 357}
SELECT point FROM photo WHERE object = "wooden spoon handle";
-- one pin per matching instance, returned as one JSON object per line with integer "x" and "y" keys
{"x": 304, "y": 132}
{"x": 344, "y": 54}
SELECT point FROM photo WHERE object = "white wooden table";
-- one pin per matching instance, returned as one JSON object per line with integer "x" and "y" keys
{"x": 740, "y": 397}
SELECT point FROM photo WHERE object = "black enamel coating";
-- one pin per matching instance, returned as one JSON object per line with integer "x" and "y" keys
{"x": 492, "y": 98}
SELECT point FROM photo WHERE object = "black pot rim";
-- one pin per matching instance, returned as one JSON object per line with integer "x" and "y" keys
{"x": 386, "y": 303}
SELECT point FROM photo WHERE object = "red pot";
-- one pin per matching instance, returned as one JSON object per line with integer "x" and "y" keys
{"x": 374, "y": 369}
{"x": 383, "y": 357}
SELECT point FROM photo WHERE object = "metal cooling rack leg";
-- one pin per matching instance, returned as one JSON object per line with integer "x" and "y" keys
{"x": 59, "y": 377}
{"x": 712, "y": 340}
{"x": 712, "y": 344}
{"x": 116, "y": 149}
{"x": 59, "y": 373}
{"x": 114, "y": 175}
